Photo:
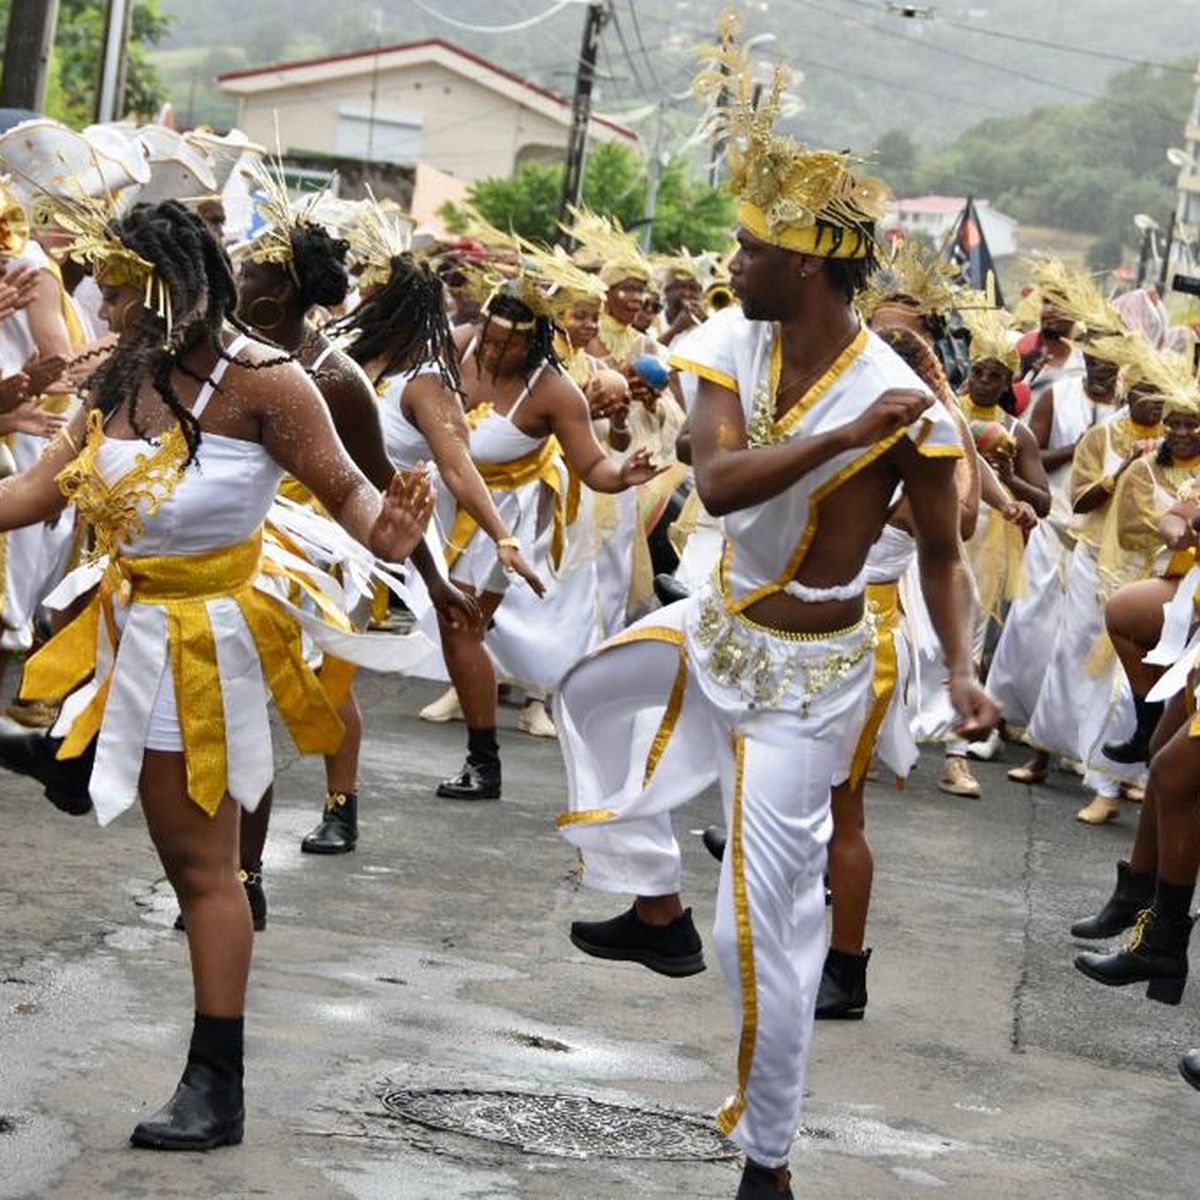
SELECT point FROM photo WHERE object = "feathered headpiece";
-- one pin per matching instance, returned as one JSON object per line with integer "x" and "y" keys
{"x": 1052, "y": 278}
{"x": 615, "y": 249}
{"x": 809, "y": 201}
{"x": 380, "y": 233}
{"x": 274, "y": 204}
{"x": 912, "y": 272}
{"x": 1176, "y": 380}
{"x": 562, "y": 283}
{"x": 991, "y": 336}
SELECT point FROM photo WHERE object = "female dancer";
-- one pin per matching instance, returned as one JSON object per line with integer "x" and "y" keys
{"x": 188, "y": 429}
{"x": 290, "y": 269}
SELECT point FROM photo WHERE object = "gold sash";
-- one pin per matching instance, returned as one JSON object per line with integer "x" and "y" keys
{"x": 182, "y": 585}
{"x": 884, "y": 601}
{"x": 541, "y": 465}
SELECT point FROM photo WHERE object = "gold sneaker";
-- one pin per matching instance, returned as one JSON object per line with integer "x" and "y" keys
{"x": 1101, "y": 810}
{"x": 957, "y": 779}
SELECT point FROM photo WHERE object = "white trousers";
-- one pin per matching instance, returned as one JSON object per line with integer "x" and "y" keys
{"x": 687, "y": 697}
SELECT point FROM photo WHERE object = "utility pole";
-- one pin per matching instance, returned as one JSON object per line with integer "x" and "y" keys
{"x": 110, "y": 96}
{"x": 27, "y": 47}
{"x": 654, "y": 173}
{"x": 581, "y": 109}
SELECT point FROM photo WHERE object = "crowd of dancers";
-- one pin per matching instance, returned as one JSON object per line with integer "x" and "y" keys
{"x": 768, "y": 519}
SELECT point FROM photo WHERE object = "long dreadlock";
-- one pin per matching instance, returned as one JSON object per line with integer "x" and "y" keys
{"x": 412, "y": 308}
{"x": 203, "y": 297}
{"x": 320, "y": 264}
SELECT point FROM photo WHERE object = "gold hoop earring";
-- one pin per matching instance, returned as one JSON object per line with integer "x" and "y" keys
{"x": 258, "y": 322}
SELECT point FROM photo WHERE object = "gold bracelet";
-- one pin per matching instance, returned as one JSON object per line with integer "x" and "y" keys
{"x": 508, "y": 543}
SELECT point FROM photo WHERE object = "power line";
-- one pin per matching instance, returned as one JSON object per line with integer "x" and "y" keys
{"x": 637, "y": 31}
{"x": 637, "y": 75}
{"x": 1046, "y": 43}
{"x": 979, "y": 62}
{"x": 515, "y": 27}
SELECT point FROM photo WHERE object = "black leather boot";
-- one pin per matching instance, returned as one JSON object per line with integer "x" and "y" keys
{"x": 337, "y": 832}
{"x": 32, "y": 752}
{"x": 1189, "y": 1068}
{"x": 255, "y": 897}
{"x": 1134, "y": 892}
{"x": 208, "y": 1108}
{"x": 842, "y": 995}
{"x": 1155, "y": 954}
{"x": 714, "y": 841}
{"x": 765, "y": 1183}
{"x": 478, "y": 780}
{"x": 674, "y": 950}
{"x": 1137, "y": 748}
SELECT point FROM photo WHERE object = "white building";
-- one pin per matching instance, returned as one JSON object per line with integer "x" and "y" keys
{"x": 936, "y": 216}
{"x": 429, "y": 102}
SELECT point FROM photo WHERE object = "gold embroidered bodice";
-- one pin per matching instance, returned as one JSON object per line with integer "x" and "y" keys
{"x": 115, "y": 511}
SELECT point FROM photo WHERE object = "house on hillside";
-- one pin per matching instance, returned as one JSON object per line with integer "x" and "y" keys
{"x": 429, "y": 102}
{"x": 936, "y": 216}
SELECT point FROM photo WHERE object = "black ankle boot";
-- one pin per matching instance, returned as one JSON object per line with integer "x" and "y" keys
{"x": 1189, "y": 1068}
{"x": 1137, "y": 748}
{"x": 673, "y": 950}
{"x": 208, "y": 1108}
{"x": 255, "y": 896}
{"x": 1134, "y": 891}
{"x": 337, "y": 832}
{"x": 765, "y": 1183}
{"x": 1155, "y": 954}
{"x": 33, "y": 752}
{"x": 842, "y": 995}
{"x": 478, "y": 780}
{"x": 714, "y": 840}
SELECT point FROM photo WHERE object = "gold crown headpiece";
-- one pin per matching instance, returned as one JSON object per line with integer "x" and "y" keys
{"x": 274, "y": 204}
{"x": 809, "y": 201}
{"x": 380, "y": 232}
{"x": 606, "y": 242}
{"x": 94, "y": 244}
{"x": 562, "y": 282}
{"x": 991, "y": 338}
{"x": 912, "y": 272}
{"x": 14, "y": 222}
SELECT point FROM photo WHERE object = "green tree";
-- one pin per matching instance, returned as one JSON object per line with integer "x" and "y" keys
{"x": 895, "y": 158}
{"x": 75, "y": 64}
{"x": 688, "y": 212}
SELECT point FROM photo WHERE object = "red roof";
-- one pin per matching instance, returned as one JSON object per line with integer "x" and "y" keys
{"x": 932, "y": 204}
{"x": 441, "y": 43}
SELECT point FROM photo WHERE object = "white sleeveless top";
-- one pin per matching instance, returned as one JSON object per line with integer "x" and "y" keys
{"x": 406, "y": 444}
{"x": 223, "y": 496}
{"x": 495, "y": 437}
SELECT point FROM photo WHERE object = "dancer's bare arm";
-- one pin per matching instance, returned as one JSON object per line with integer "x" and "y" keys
{"x": 33, "y": 495}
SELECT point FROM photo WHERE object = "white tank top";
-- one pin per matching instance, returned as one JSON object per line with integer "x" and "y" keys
{"x": 406, "y": 444}
{"x": 223, "y": 497}
{"x": 495, "y": 438}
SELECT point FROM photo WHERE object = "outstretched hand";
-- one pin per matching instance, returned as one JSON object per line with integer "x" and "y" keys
{"x": 639, "y": 468}
{"x": 44, "y": 374}
{"x": 405, "y": 511}
{"x": 512, "y": 560}
{"x": 17, "y": 288}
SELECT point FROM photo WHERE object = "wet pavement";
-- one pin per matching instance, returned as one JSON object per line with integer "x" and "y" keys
{"x": 433, "y": 966}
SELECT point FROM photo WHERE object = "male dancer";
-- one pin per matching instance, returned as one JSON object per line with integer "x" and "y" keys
{"x": 804, "y": 426}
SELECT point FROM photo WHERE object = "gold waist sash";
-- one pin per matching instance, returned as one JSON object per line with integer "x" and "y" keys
{"x": 883, "y": 599}
{"x": 183, "y": 585}
{"x": 540, "y": 465}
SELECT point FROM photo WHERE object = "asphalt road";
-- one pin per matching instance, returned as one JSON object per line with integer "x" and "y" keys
{"x": 436, "y": 957}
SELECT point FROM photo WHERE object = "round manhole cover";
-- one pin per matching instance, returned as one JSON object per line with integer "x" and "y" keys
{"x": 567, "y": 1126}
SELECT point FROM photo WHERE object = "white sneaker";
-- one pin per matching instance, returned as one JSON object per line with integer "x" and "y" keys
{"x": 988, "y": 750}
{"x": 534, "y": 720}
{"x": 445, "y": 708}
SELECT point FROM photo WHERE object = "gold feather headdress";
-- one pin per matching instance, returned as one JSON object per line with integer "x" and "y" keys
{"x": 1170, "y": 375}
{"x": 1175, "y": 378}
{"x": 912, "y": 271}
{"x": 614, "y": 248}
{"x": 991, "y": 336}
{"x": 809, "y": 201}
{"x": 274, "y": 204}
{"x": 380, "y": 232}
{"x": 1051, "y": 276}
{"x": 562, "y": 282}
{"x": 684, "y": 265}
{"x": 479, "y": 229}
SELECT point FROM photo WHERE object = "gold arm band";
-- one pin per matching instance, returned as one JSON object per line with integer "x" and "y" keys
{"x": 509, "y": 543}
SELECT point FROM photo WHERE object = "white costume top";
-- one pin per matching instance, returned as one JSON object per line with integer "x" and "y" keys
{"x": 406, "y": 444}
{"x": 765, "y": 545}
{"x": 891, "y": 555}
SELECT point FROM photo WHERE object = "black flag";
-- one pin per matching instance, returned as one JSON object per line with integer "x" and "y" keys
{"x": 969, "y": 250}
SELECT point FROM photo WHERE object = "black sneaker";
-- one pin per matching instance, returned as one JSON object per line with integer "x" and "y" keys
{"x": 765, "y": 1183}
{"x": 673, "y": 950}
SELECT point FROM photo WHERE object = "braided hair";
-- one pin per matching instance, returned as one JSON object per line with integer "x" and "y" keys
{"x": 410, "y": 307}
{"x": 319, "y": 261}
{"x": 508, "y": 307}
{"x": 203, "y": 297}
{"x": 922, "y": 360}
